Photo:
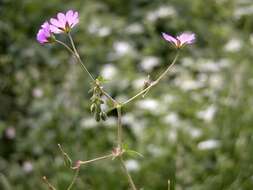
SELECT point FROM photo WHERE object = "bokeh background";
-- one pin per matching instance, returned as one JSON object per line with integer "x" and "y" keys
{"x": 195, "y": 128}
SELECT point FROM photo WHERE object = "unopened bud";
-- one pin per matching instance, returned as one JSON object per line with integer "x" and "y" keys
{"x": 93, "y": 108}
{"x": 103, "y": 115}
{"x": 97, "y": 117}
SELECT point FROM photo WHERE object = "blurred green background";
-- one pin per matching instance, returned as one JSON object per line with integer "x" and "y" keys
{"x": 195, "y": 128}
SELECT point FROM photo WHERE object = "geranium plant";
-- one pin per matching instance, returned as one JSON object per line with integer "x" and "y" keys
{"x": 64, "y": 23}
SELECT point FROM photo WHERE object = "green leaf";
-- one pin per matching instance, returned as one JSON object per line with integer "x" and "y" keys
{"x": 134, "y": 153}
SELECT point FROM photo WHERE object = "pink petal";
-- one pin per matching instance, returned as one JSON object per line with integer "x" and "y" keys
{"x": 69, "y": 15}
{"x": 186, "y": 38}
{"x": 56, "y": 23}
{"x": 169, "y": 38}
{"x": 55, "y": 29}
{"x": 62, "y": 19}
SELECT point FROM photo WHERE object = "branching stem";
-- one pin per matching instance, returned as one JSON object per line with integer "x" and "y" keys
{"x": 153, "y": 83}
{"x": 96, "y": 159}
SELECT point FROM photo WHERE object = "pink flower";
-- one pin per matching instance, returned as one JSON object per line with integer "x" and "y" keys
{"x": 44, "y": 35}
{"x": 64, "y": 22}
{"x": 181, "y": 40}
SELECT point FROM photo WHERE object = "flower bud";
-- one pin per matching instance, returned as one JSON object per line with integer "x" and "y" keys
{"x": 97, "y": 117}
{"x": 103, "y": 115}
{"x": 93, "y": 108}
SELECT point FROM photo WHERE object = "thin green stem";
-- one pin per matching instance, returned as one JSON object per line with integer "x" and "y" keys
{"x": 49, "y": 185}
{"x": 66, "y": 46}
{"x": 153, "y": 83}
{"x": 78, "y": 57}
{"x": 108, "y": 96}
{"x": 95, "y": 159}
{"x": 119, "y": 127}
{"x": 128, "y": 174}
{"x": 74, "y": 179}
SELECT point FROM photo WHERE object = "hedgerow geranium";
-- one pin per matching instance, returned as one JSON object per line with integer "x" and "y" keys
{"x": 63, "y": 24}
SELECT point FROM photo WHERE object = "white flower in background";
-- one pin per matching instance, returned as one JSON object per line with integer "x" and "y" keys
{"x": 134, "y": 28}
{"x": 216, "y": 81}
{"x": 139, "y": 83}
{"x": 148, "y": 104}
{"x": 172, "y": 135}
{"x": 132, "y": 165}
{"x": 10, "y": 132}
{"x": 156, "y": 151}
{"x": 207, "y": 65}
{"x": 96, "y": 29}
{"x": 109, "y": 71}
{"x": 37, "y": 92}
{"x": 27, "y": 167}
{"x": 122, "y": 48}
{"x": 243, "y": 10}
{"x": 208, "y": 144}
{"x": 233, "y": 45}
{"x": 161, "y": 12}
{"x": 172, "y": 119}
{"x": 194, "y": 132}
{"x": 187, "y": 84}
{"x": 187, "y": 62}
{"x": 110, "y": 122}
{"x": 128, "y": 119}
{"x": 87, "y": 123}
{"x": 148, "y": 63}
{"x": 207, "y": 114}
{"x": 168, "y": 99}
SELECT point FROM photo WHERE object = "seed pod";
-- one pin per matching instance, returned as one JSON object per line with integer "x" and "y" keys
{"x": 93, "y": 108}
{"x": 97, "y": 117}
{"x": 103, "y": 115}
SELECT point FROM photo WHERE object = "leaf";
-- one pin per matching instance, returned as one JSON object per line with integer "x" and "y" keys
{"x": 134, "y": 153}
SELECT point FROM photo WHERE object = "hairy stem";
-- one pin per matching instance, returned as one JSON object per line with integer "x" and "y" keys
{"x": 119, "y": 128}
{"x": 78, "y": 57}
{"x": 131, "y": 182}
{"x": 49, "y": 185}
{"x": 95, "y": 159}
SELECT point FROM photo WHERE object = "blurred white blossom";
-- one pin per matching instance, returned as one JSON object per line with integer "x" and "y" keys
{"x": 134, "y": 28}
{"x": 148, "y": 104}
{"x": 132, "y": 165}
{"x": 207, "y": 114}
{"x": 109, "y": 71}
{"x": 233, "y": 45}
{"x": 10, "y": 133}
{"x": 122, "y": 48}
{"x": 172, "y": 119}
{"x": 139, "y": 83}
{"x": 37, "y": 92}
{"x": 208, "y": 144}
{"x": 27, "y": 167}
{"x": 148, "y": 63}
{"x": 88, "y": 122}
{"x": 95, "y": 28}
{"x": 161, "y": 12}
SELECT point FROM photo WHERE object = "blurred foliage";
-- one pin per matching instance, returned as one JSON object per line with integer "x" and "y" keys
{"x": 194, "y": 129}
